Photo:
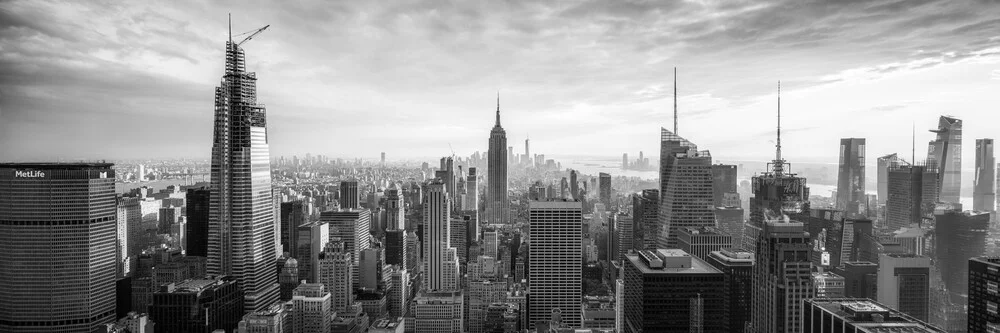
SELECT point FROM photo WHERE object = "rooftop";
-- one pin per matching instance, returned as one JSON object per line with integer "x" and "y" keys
{"x": 669, "y": 261}
{"x": 57, "y": 166}
{"x": 872, "y": 316}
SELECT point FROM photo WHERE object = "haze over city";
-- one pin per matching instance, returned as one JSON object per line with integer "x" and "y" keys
{"x": 110, "y": 81}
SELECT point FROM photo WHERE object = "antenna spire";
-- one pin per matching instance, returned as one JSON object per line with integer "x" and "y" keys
{"x": 675, "y": 101}
{"x": 778, "y": 164}
{"x": 230, "y": 28}
{"x": 913, "y": 142}
{"x": 498, "y": 108}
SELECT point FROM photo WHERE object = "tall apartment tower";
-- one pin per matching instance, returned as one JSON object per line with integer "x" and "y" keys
{"x": 984, "y": 281}
{"x": 984, "y": 186}
{"x": 395, "y": 214}
{"x": 604, "y": 189}
{"x": 668, "y": 290}
{"x": 851, "y": 177}
{"x": 497, "y": 202}
{"x": 198, "y": 206}
{"x": 555, "y": 231}
{"x": 885, "y": 163}
{"x": 912, "y": 193}
{"x": 241, "y": 211}
{"x": 350, "y": 198}
{"x": 782, "y": 277}
{"x": 945, "y": 153}
{"x": 686, "y": 188}
{"x": 737, "y": 268}
{"x": 904, "y": 283}
{"x": 437, "y": 239}
{"x": 336, "y": 274}
{"x": 57, "y": 236}
{"x": 645, "y": 224}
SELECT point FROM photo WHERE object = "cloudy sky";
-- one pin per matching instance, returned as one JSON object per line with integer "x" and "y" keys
{"x": 93, "y": 80}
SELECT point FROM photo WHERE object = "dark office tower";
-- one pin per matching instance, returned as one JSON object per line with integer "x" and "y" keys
{"x": 782, "y": 277}
{"x": 574, "y": 185}
{"x": 198, "y": 206}
{"x": 660, "y": 287}
{"x": 395, "y": 248}
{"x": 912, "y": 194}
{"x": 350, "y": 198}
{"x": 686, "y": 196}
{"x": 458, "y": 238}
{"x": 564, "y": 189}
{"x": 218, "y": 301}
{"x": 497, "y": 202}
{"x": 859, "y": 315}
{"x": 860, "y": 278}
{"x": 885, "y": 163}
{"x": 737, "y": 268}
{"x": 904, "y": 283}
{"x": 293, "y": 214}
{"x": 395, "y": 214}
{"x": 730, "y": 221}
{"x": 472, "y": 197}
{"x": 448, "y": 166}
{"x": 945, "y": 153}
{"x": 241, "y": 214}
{"x": 288, "y": 278}
{"x": 984, "y": 190}
{"x": 312, "y": 238}
{"x": 645, "y": 207}
{"x": 851, "y": 177}
{"x": 984, "y": 281}
{"x": 604, "y": 185}
{"x": 58, "y": 227}
{"x": 958, "y": 236}
{"x": 352, "y": 227}
{"x": 554, "y": 266}
{"x": 723, "y": 181}
{"x": 383, "y": 158}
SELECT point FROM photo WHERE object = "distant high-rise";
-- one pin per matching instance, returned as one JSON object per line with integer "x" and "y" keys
{"x": 984, "y": 186}
{"x": 856, "y": 315}
{"x": 604, "y": 188}
{"x": 945, "y": 153}
{"x": 293, "y": 215}
{"x": 554, "y": 266}
{"x": 904, "y": 283}
{"x": 437, "y": 239}
{"x": 497, "y": 202}
{"x": 724, "y": 179}
{"x": 574, "y": 185}
{"x": 645, "y": 208}
{"x": 336, "y": 274}
{"x": 737, "y": 268}
{"x": 851, "y": 177}
{"x": 448, "y": 166}
{"x": 660, "y": 287}
{"x": 912, "y": 193}
{"x": 351, "y": 226}
{"x": 241, "y": 215}
{"x": 198, "y": 205}
{"x": 782, "y": 277}
{"x": 472, "y": 191}
{"x": 959, "y": 235}
{"x": 527, "y": 152}
{"x": 312, "y": 238}
{"x": 984, "y": 279}
{"x": 885, "y": 163}
{"x": 57, "y": 239}
{"x": 395, "y": 214}
{"x": 686, "y": 188}
{"x": 350, "y": 198}
{"x": 395, "y": 248}
{"x": 130, "y": 214}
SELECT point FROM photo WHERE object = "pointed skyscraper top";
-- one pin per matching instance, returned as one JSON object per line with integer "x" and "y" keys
{"x": 498, "y": 109}
{"x": 778, "y": 165}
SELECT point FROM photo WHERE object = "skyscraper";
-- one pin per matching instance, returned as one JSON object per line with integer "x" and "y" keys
{"x": 604, "y": 188}
{"x": 855, "y": 315}
{"x": 724, "y": 179}
{"x": 350, "y": 198}
{"x": 959, "y": 235}
{"x": 448, "y": 177}
{"x": 554, "y": 266}
{"x": 645, "y": 208}
{"x": 851, "y": 177}
{"x": 782, "y": 277}
{"x": 574, "y": 186}
{"x": 984, "y": 189}
{"x": 884, "y": 164}
{"x": 57, "y": 236}
{"x": 241, "y": 210}
{"x": 395, "y": 215}
{"x": 313, "y": 309}
{"x": 660, "y": 287}
{"x": 700, "y": 242}
{"x": 912, "y": 193}
{"x": 198, "y": 206}
{"x": 293, "y": 215}
{"x": 336, "y": 274}
{"x": 737, "y": 268}
{"x": 904, "y": 283}
{"x": 686, "y": 188}
{"x": 497, "y": 203}
{"x": 218, "y": 300}
{"x": 437, "y": 238}
{"x": 351, "y": 226}
{"x": 945, "y": 153}
{"x": 129, "y": 213}
{"x": 984, "y": 279}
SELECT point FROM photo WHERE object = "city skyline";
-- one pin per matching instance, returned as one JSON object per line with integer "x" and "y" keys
{"x": 579, "y": 66}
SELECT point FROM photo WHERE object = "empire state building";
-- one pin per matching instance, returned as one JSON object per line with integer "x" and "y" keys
{"x": 497, "y": 202}
{"x": 241, "y": 212}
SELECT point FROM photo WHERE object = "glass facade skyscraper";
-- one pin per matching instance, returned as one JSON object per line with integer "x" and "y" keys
{"x": 241, "y": 238}
{"x": 686, "y": 178}
{"x": 945, "y": 152}
{"x": 57, "y": 235}
{"x": 983, "y": 188}
{"x": 851, "y": 177}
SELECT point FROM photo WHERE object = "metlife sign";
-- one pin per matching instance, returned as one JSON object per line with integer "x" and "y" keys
{"x": 29, "y": 174}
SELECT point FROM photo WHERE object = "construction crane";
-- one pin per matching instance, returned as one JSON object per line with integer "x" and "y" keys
{"x": 252, "y": 34}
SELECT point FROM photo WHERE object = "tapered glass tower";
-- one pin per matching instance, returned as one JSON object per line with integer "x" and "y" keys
{"x": 241, "y": 210}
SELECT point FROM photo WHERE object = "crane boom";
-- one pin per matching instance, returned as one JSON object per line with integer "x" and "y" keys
{"x": 255, "y": 33}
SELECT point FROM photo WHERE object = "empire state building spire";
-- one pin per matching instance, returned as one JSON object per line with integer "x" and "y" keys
{"x": 498, "y": 109}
